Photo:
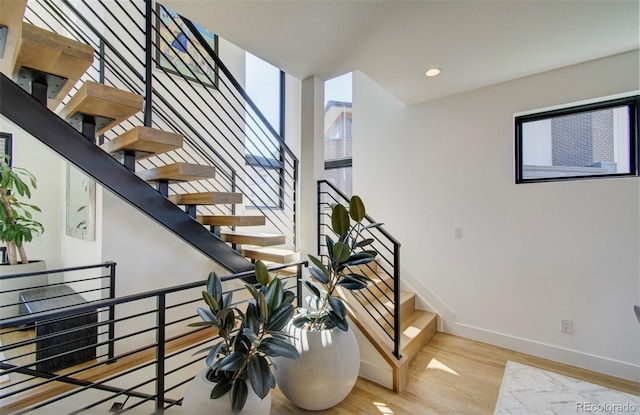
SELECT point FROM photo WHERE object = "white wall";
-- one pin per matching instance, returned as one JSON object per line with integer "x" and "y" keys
{"x": 531, "y": 254}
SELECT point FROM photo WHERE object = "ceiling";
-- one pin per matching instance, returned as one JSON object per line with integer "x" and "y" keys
{"x": 476, "y": 43}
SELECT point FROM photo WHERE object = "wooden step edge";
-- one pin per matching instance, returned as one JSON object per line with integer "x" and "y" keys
{"x": 54, "y": 54}
{"x": 178, "y": 172}
{"x": 257, "y": 239}
{"x": 231, "y": 220}
{"x": 206, "y": 198}
{"x": 11, "y": 14}
{"x": 102, "y": 100}
{"x": 144, "y": 142}
{"x": 277, "y": 255}
{"x": 417, "y": 331}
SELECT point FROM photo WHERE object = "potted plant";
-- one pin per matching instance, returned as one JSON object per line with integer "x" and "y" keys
{"x": 329, "y": 360}
{"x": 239, "y": 369}
{"x": 18, "y": 225}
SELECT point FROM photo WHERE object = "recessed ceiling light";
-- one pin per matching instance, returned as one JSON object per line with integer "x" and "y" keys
{"x": 433, "y": 72}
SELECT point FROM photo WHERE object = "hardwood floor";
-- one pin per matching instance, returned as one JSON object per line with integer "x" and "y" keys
{"x": 451, "y": 375}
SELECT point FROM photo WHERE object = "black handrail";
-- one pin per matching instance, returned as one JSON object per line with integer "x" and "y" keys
{"x": 394, "y": 263}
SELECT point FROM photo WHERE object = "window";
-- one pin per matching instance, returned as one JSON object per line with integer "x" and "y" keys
{"x": 263, "y": 152}
{"x": 337, "y": 133}
{"x": 586, "y": 141}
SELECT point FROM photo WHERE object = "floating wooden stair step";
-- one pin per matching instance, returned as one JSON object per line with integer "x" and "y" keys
{"x": 206, "y": 198}
{"x": 102, "y": 101}
{"x": 277, "y": 255}
{"x": 11, "y": 13}
{"x": 257, "y": 239}
{"x": 53, "y": 54}
{"x": 144, "y": 141}
{"x": 178, "y": 172}
{"x": 231, "y": 220}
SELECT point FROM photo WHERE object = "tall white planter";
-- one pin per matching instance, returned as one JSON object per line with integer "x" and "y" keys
{"x": 326, "y": 371}
{"x": 197, "y": 400}
{"x": 19, "y": 284}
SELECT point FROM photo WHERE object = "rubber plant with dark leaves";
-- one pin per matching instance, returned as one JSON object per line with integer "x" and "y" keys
{"x": 243, "y": 355}
{"x": 328, "y": 309}
{"x": 17, "y": 225}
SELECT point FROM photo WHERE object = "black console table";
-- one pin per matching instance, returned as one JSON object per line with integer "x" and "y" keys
{"x": 57, "y": 297}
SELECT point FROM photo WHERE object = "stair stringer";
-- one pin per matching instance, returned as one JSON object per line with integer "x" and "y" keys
{"x": 22, "y": 109}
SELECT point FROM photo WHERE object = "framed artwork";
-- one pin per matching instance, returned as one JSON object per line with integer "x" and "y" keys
{"x": 80, "y": 205}
{"x": 6, "y": 146}
{"x": 176, "y": 53}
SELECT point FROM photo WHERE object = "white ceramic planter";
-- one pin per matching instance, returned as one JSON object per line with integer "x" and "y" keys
{"x": 197, "y": 401}
{"x": 326, "y": 371}
{"x": 19, "y": 284}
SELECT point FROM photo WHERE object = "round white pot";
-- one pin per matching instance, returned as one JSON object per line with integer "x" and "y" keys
{"x": 326, "y": 371}
{"x": 197, "y": 399}
{"x": 19, "y": 284}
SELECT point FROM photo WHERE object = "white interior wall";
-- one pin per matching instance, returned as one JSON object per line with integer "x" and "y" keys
{"x": 531, "y": 254}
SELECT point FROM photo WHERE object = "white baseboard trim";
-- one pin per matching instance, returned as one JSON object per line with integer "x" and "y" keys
{"x": 588, "y": 361}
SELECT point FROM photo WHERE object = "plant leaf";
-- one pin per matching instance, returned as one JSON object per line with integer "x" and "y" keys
{"x": 338, "y": 306}
{"x": 231, "y": 362}
{"x": 274, "y": 347}
{"x": 260, "y": 376}
{"x": 356, "y": 209}
{"x": 213, "y": 352}
{"x": 314, "y": 290}
{"x": 340, "y": 252}
{"x": 262, "y": 274}
{"x": 340, "y": 323}
{"x": 352, "y": 285}
{"x": 280, "y": 317}
{"x": 239, "y": 393}
{"x": 222, "y": 387}
{"x": 340, "y": 221}
{"x": 274, "y": 294}
{"x": 364, "y": 242}
{"x": 319, "y": 275}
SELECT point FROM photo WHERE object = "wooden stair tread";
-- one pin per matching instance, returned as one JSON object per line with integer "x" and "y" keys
{"x": 11, "y": 13}
{"x": 419, "y": 328}
{"x": 231, "y": 220}
{"x": 178, "y": 172}
{"x": 102, "y": 100}
{"x": 145, "y": 141}
{"x": 52, "y": 53}
{"x": 257, "y": 239}
{"x": 277, "y": 255}
{"x": 206, "y": 198}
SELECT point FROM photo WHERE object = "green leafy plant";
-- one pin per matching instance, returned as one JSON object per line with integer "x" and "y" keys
{"x": 17, "y": 225}
{"x": 349, "y": 251}
{"x": 249, "y": 339}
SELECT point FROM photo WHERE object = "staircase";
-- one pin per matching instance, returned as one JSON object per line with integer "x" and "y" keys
{"x": 97, "y": 127}
{"x": 386, "y": 313}
{"x": 48, "y": 66}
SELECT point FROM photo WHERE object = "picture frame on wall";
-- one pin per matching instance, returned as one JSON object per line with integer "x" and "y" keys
{"x": 6, "y": 144}
{"x": 177, "y": 54}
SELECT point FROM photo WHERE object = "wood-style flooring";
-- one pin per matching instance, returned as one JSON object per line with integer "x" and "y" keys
{"x": 451, "y": 375}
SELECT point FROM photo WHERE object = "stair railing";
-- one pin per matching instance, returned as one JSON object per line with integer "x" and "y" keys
{"x": 217, "y": 122}
{"x": 381, "y": 300}
{"x": 154, "y": 357}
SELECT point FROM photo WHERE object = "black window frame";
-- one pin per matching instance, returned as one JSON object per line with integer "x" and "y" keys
{"x": 633, "y": 102}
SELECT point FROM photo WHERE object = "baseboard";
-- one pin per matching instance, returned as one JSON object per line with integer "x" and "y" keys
{"x": 588, "y": 361}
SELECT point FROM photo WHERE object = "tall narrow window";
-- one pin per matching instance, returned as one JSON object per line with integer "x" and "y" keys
{"x": 264, "y": 84}
{"x": 587, "y": 141}
{"x": 337, "y": 133}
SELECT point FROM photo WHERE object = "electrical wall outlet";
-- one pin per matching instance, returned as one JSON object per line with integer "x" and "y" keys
{"x": 566, "y": 326}
{"x": 457, "y": 233}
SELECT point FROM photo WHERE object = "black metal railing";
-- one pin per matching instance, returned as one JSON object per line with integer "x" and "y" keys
{"x": 221, "y": 126}
{"x": 154, "y": 347}
{"x": 381, "y": 299}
